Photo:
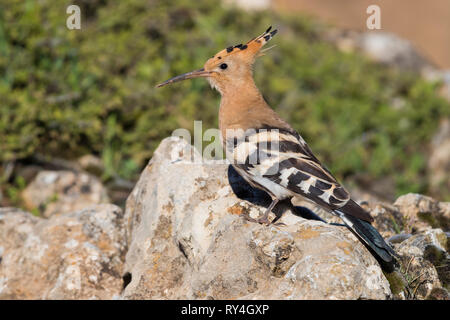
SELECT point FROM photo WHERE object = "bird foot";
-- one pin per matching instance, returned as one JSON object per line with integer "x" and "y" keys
{"x": 263, "y": 220}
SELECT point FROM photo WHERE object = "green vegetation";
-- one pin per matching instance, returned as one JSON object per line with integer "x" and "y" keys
{"x": 67, "y": 93}
{"x": 14, "y": 189}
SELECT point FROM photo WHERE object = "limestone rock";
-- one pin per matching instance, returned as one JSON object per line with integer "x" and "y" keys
{"x": 421, "y": 212}
{"x": 91, "y": 164}
{"x": 249, "y": 5}
{"x": 70, "y": 256}
{"x": 187, "y": 239}
{"x": 383, "y": 47}
{"x": 426, "y": 264}
{"x": 390, "y": 49}
{"x": 56, "y": 192}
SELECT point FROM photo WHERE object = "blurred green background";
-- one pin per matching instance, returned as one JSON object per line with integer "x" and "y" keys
{"x": 66, "y": 93}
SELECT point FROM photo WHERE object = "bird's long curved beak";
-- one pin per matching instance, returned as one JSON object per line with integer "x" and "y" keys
{"x": 193, "y": 74}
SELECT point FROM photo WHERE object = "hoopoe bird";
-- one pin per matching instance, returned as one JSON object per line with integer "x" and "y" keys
{"x": 268, "y": 153}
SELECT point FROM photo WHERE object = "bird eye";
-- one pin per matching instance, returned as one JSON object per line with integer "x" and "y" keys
{"x": 223, "y": 66}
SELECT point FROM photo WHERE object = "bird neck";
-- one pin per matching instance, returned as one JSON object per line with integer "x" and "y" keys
{"x": 241, "y": 101}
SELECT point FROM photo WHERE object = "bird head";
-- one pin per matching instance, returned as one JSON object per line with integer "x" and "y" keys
{"x": 231, "y": 66}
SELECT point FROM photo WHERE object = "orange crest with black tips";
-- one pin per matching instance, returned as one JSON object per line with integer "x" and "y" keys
{"x": 246, "y": 52}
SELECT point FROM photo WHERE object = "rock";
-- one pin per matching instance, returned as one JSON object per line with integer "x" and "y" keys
{"x": 91, "y": 164}
{"x": 183, "y": 236}
{"x": 439, "y": 159}
{"x": 426, "y": 264}
{"x": 383, "y": 47}
{"x": 438, "y": 294}
{"x": 422, "y": 212}
{"x": 70, "y": 256}
{"x": 188, "y": 240}
{"x": 56, "y": 192}
{"x": 250, "y": 5}
{"x": 397, "y": 238}
{"x": 392, "y": 50}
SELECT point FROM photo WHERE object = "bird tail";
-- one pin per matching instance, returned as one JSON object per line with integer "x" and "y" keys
{"x": 370, "y": 237}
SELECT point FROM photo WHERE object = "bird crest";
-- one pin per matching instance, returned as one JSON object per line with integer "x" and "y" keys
{"x": 247, "y": 52}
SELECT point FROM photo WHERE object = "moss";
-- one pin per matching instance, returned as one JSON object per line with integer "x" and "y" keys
{"x": 36, "y": 212}
{"x": 397, "y": 282}
{"x": 428, "y": 218}
{"x": 91, "y": 91}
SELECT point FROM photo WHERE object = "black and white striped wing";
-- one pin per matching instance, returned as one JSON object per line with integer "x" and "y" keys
{"x": 280, "y": 162}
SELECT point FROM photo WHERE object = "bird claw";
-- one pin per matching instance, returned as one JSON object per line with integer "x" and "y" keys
{"x": 248, "y": 218}
{"x": 263, "y": 220}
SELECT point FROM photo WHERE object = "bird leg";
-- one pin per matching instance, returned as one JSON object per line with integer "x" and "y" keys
{"x": 265, "y": 218}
